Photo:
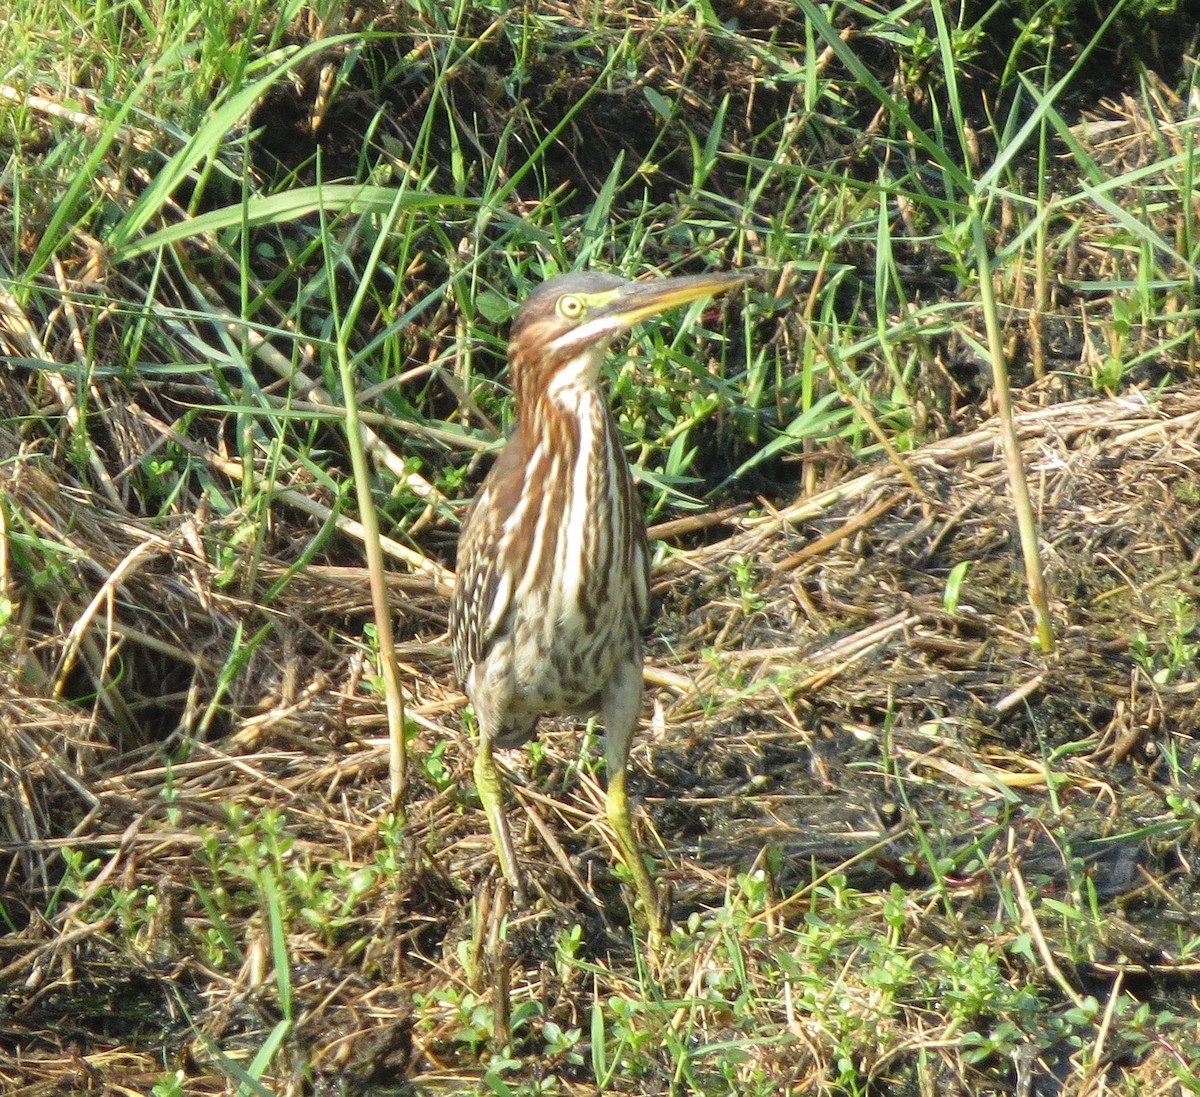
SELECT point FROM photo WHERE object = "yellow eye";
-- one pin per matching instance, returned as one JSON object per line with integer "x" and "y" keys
{"x": 571, "y": 307}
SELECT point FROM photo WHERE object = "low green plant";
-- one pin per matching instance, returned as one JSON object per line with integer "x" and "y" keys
{"x": 1172, "y": 653}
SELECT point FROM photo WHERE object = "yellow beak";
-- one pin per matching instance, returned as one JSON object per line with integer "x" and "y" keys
{"x": 637, "y": 300}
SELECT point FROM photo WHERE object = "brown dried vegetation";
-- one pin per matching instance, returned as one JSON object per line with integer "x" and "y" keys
{"x": 190, "y": 717}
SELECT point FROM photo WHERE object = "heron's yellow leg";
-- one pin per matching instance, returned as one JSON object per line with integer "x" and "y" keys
{"x": 617, "y": 810}
{"x": 491, "y": 794}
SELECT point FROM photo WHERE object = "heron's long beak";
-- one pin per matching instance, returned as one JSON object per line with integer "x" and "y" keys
{"x": 637, "y": 300}
{"x": 613, "y": 311}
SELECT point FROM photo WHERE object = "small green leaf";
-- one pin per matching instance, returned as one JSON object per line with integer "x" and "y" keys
{"x": 954, "y": 582}
{"x": 493, "y": 307}
{"x": 660, "y": 103}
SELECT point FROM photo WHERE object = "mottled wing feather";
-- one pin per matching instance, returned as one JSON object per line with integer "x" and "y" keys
{"x": 481, "y": 571}
{"x": 640, "y": 568}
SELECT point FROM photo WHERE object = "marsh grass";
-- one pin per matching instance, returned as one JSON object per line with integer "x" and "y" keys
{"x": 909, "y": 848}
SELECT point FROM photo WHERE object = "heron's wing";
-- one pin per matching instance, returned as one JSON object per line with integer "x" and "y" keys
{"x": 488, "y": 562}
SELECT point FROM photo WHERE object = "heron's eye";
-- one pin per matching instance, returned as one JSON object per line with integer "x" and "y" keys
{"x": 571, "y": 307}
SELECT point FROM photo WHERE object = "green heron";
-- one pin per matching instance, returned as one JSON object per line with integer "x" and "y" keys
{"x": 553, "y": 562}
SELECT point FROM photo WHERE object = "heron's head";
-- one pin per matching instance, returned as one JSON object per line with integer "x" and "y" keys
{"x": 564, "y": 328}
